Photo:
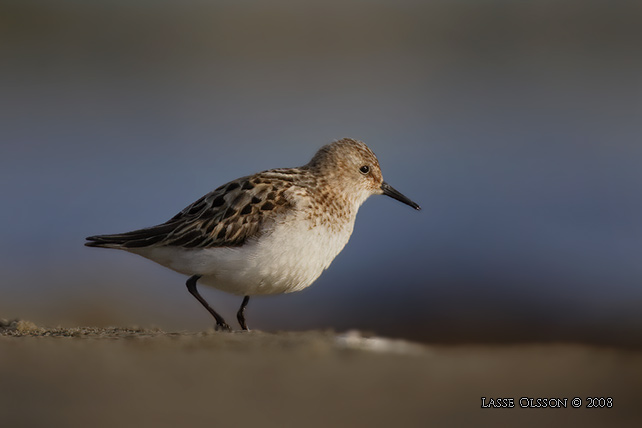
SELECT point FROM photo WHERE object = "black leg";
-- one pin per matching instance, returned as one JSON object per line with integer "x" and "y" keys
{"x": 191, "y": 287}
{"x": 240, "y": 314}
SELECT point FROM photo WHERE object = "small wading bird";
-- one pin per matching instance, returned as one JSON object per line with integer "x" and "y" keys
{"x": 267, "y": 233}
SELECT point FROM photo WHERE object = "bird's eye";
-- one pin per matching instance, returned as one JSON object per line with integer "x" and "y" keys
{"x": 364, "y": 169}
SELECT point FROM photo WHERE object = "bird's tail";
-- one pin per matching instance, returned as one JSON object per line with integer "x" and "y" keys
{"x": 135, "y": 239}
{"x": 106, "y": 241}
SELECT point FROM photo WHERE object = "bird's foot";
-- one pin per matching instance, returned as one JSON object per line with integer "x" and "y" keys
{"x": 222, "y": 326}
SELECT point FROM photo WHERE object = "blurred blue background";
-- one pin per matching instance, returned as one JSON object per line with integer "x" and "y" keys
{"x": 516, "y": 125}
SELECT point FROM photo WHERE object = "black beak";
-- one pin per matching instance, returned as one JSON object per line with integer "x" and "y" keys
{"x": 389, "y": 191}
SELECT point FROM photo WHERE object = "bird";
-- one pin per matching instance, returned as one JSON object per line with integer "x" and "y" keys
{"x": 268, "y": 233}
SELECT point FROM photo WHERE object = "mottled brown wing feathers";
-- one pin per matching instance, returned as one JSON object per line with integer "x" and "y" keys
{"x": 226, "y": 217}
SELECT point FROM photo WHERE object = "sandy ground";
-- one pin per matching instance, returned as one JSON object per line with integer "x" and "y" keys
{"x": 135, "y": 377}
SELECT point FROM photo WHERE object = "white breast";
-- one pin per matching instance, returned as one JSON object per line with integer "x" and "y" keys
{"x": 288, "y": 259}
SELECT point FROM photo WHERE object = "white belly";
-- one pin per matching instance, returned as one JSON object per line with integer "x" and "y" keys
{"x": 289, "y": 259}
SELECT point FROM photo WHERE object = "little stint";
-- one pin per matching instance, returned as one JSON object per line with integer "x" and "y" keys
{"x": 267, "y": 233}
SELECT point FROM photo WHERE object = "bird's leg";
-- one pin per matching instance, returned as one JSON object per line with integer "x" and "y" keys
{"x": 191, "y": 287}
{"x": 240, "y": 314}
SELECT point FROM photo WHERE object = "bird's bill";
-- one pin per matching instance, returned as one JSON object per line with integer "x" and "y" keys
{"x": 388, "y": 190}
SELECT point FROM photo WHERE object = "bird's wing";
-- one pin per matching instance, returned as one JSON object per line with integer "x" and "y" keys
{"x": 225, "y": 217}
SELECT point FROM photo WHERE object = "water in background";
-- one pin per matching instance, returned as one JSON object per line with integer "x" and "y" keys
{"x": 516, "y": 126}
